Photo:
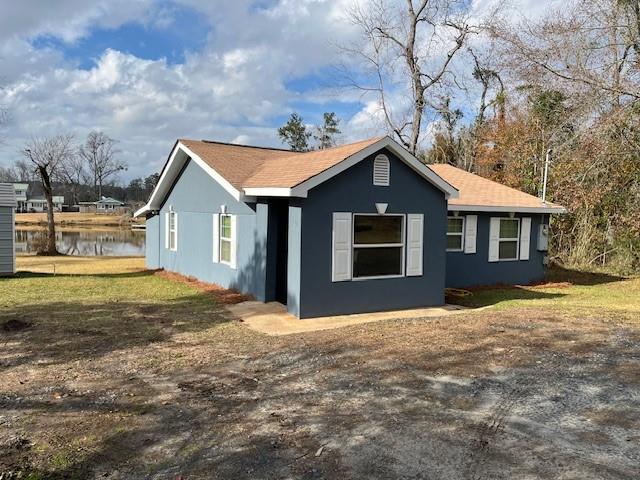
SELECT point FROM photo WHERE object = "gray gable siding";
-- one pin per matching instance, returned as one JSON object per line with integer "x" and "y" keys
{"x": 195, "y": 197}
{"x": 467, "y": 270}
{"x": 353, "y": 191}
{"x": 7, "y": 254}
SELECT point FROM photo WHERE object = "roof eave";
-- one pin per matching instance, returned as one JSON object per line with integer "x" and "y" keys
{"x": 506, "y": 209}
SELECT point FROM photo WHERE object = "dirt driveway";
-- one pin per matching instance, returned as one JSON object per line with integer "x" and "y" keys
{"x": 522, "y": 393}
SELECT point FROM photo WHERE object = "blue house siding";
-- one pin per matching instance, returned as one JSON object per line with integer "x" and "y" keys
{"x": 467, "y": 270}
{"x": 353, "y": 191}
{"x": 152, "y": 243}
{"x": 195, "y": 197}
{"x": 294, "y": 260}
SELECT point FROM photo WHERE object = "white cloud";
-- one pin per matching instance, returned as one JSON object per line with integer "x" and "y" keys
{"x": 230, "y": 91}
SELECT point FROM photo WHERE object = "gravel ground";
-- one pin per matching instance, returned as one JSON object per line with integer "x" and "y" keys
{"x": 519, "y": 394}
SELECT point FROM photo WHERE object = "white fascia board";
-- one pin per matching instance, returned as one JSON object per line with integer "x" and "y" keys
{"x": 273, "y": 192}
{"x": 142, "y": 211}
{"x": 212, "y": 173}
{"x": 505, "y": 209}
{"x": 172, "y": 169}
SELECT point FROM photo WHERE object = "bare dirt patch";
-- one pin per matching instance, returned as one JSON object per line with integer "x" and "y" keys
{"x": 161, "y": 385}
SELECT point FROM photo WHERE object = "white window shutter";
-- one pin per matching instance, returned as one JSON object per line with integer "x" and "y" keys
{"x": 470, "y": 233}
{"x": 494, "y": 239}
{"x": 234, "y": 241}
{"x": 216, "y": 238}
{"x": 415, "y": 240}
{"x": 525, "y": 238}
{"x": 175, "y": 220}
{"x": 341, "y": 244}
{"x": 166, "y": 230}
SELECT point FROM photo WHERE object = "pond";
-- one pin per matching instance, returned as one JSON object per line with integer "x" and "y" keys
{"x": 85, "y": 241}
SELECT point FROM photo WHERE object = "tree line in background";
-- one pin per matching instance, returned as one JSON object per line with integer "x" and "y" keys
{"x": 567, "y": 84}
{"x": 84, "y": 172}
{"x": 81, "y": 173}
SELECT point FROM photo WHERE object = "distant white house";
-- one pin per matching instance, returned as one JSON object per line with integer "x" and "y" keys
{"x": 39, "y": 204}
{"x": 21, "y": 196}
{"x": 104, "y": 205}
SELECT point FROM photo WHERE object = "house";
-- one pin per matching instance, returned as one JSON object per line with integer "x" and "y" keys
{"x": 7, "y": 229}
{"x": 21, "y": 196}
{"x": 356, "y": 228}
{"x": 39, "y": 204}
{"x": 104, "y": 205}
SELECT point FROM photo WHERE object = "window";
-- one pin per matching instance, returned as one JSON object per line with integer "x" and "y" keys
{"x": 173, "y": 231}
{"x": 226, "y": 237}
{"x": 381, "y": 171}
{"x": 455, "y": 234}
{"x": 508, "y": 239}
{"x": 378, "y": 245}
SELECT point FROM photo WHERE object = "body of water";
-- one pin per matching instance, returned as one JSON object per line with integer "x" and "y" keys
{"x": 85, "y": 241}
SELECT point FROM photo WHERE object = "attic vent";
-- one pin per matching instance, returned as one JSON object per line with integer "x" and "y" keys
{"x": 381, "y": 171}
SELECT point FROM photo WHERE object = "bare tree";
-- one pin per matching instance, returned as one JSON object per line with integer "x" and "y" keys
{"x": 46, "y": 155}
{"x": 99, "y": 154}
{"x": 589, "y": 47}
{"x": 408, "y": 52}
{"x": 72, "y": 172}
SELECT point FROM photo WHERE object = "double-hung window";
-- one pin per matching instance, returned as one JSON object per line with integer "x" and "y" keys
{"x": 455, "y": 234}
{"x": 172, "y": 226}
{"x": 226, "y": 239}
{"x": 378, "y": 245}
{"x": 509, "y": 239}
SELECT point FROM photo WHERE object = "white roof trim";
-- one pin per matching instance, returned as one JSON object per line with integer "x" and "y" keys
{"x": 273, "y": 192}
{"x": 505, "y": 209}
{"x": 303, "y": 188}
{"x": 177, "y": 160}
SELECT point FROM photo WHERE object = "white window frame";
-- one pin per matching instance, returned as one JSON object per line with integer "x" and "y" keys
{"x": 403, "y": 244}
{"x": 230, "y": 239}
{"x": 461, "y": 234}
{"x": 173, "y": 231}
{"x": 501, "y": 239}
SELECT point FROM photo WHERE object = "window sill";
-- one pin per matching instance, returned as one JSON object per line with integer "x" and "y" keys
{"x": 455, "y": 251}
{"x": 379, "y": 277}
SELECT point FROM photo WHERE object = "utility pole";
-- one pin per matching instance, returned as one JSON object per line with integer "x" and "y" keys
{"x": 547, "y": 160}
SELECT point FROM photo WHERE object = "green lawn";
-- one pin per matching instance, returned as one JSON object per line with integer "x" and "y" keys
{"x": 567, "y": 291}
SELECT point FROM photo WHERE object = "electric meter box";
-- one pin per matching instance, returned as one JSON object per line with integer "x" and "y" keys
{"x": 543, "y": 237}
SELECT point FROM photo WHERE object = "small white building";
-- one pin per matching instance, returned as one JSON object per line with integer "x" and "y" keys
{"x": 39, "y": 204}
{"x": 21, "y": 196}
{"x": 7, "y": 229}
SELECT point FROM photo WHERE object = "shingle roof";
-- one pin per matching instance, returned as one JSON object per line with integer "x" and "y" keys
{"x": 258, "y": 167}
{"x": 482, "y": 192}
{"x": 236, "y": 163}
{"x": 290, "y": 171}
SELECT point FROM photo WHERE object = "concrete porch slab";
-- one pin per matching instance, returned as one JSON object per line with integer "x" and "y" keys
{"x": 273, "y": 319}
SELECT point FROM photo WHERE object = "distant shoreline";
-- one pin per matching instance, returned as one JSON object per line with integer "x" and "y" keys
{"x": 76, "y": 219}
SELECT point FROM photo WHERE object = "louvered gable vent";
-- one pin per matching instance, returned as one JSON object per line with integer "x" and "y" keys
{"x": 381, "y": 171}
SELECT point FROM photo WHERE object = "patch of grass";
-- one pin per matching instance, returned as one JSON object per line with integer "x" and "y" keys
{"x": 569, "y": 291}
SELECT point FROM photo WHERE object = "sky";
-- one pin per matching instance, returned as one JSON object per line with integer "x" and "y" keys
{"x": 147, "y": 72}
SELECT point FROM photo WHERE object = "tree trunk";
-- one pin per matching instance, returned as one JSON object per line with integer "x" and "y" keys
{"x": 51, "y": 228}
